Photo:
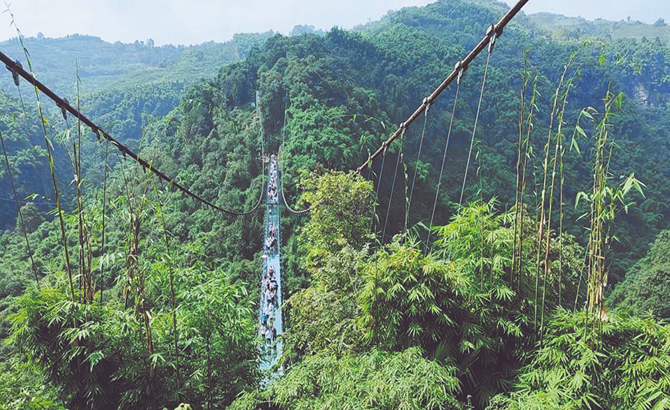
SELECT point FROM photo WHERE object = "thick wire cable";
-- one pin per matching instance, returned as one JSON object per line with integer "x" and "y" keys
{"x": 281, "y": 188}
{"x": 379, "y": 185}
{"x": 18, "y": 208}
{"x": 418, "y": 157}
{"x": 381, "y": 174}
{"x": 104, "y": 210}
{"x": 479, "y": 106}
{"x": 23, "y": 201}
{"x": 395, "y": 176}
{"x": 281, "y": 173}
{"x": 444, "y": 156}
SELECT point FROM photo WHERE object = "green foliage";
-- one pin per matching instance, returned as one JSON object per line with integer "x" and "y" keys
{"x": 333, "y": 247}
{"x": 624, "y": 364}
{"x": 23, "y": 388}
{"x": 398, "y": 325}
{"x": 102, "y": 64}
{"x": 340, "y": 215}
{"x": 98, "y": 357}
{"x": 323, "y": 317}
{"x": 376, "y": 380}
{"x": 647, "y": 283}
{"x": 410, "y": 300}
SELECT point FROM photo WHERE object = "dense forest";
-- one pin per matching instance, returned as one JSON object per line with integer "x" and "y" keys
{"x": 507, "y": 252}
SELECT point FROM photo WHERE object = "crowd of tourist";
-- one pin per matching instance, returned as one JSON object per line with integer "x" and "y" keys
{"x": 272, "y": 186}
{"x": 269, "y": 285}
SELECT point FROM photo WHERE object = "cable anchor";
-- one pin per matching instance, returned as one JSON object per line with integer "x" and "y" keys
{"x": 15, "y": 74}
{"x": 460, "y": 68}
{"x": 426, "y": 102}
{"x": 62, "y": 108}
{"x": 492, "y": 35}
{"x": 96, "y": 131}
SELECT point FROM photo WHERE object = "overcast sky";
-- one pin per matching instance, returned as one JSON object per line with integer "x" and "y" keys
{"x": 196, "y": 21}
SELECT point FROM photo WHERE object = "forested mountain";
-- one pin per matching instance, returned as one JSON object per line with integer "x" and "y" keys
{"x": 501, "y": 307}
{"x": 99, "y": 64}
{"x": 121, "y": 86}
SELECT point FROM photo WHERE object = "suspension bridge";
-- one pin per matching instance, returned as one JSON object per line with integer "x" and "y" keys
{"x": 270, "y": 321}
{"x": 270, "y": 315}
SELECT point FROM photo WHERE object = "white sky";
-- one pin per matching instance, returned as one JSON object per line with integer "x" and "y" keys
{"x": 196, "y": 21}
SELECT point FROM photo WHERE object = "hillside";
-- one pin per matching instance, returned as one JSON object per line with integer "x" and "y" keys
{"x": 99, "y": 64}
{"x": 502, "y": 306}
{"x": 120, "y": 86}
{"x": 563, "y": 28}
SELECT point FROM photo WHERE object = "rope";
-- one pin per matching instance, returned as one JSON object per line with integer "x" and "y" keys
{"x": 104, "y": 210}
{"x": 18, "y": 208}
{"x": 498, "y": 29}
{"x": 395, "y": 176}
{"x": 492, "y": 33}
{"x": 23, "y": 201}
{"x": 62, "y": 103}
{"x": 418, "y": 156}
{"x": 260, "y": 197}
{"x": 379, "y": 185}
{"x": 281, "y": 174}
{"x": 446, "y": 147}
{"x": 281, "y": 188}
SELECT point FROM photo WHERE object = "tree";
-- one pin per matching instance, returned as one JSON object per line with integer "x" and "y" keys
{"x": 375, "y": 380}
{"x": 341, "y": 213}
{"x": 31, "y": 216}
{"x": 648, "y": 282}
{"x": 333, "y": 247}
{"x": 622, "y": 365}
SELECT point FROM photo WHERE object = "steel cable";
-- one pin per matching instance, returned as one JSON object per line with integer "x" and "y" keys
{"x": 444, "y": 156}
{"x": 479, "y": 106}
{"x": 395, "y": 176}
{"x": 104, "y": 210}
{"x": 379, "y": 185}
{"x": 418, "y": 156}
{"x": 281, "y": 174}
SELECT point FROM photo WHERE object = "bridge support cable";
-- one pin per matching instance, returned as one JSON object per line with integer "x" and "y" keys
{"x": 379, "y": 185}
{"x": 18, "y": 208}
{"x": 418, "y": 157}
{"x": 281, "y": 172}
{"x": 104, "y": 210}
{"x": 17, "y": 70}
{"x": 498, "y": 30}
{"x": 283, "y": 195}
{"x": 492, "y": 40}
{"x": 395, "y": 176}
{"x": 459, "y": 78}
